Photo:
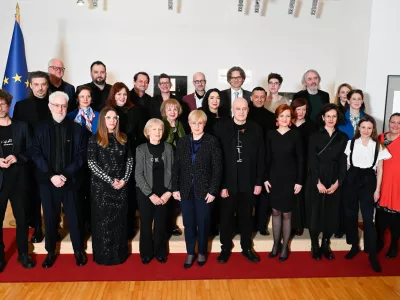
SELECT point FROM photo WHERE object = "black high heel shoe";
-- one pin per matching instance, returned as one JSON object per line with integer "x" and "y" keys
{"x": 188, "y": 263}
{"x": 273, "y": 254}
{"x": 201, "y": 262}
{"x": 283, "y": 258}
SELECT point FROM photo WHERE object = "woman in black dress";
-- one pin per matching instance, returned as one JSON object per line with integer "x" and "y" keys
{"x": 211, "y": 106}
{"x": 131, "y": 122}
{"x": 284, "y": 176}
{"x": 327, "y": 165}
{"x": 341, "y": 97}
{"x": 306, "y": 128}
{"x": 111, "y": 163}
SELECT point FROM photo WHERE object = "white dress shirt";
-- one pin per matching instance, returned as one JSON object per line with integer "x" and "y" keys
{"x": 363, "y": 156}
{"x": 199, "y": 102}
{"x": 233, "y": 98}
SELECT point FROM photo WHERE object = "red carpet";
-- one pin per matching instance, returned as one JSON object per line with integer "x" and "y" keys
{"x": 299, "y": 265}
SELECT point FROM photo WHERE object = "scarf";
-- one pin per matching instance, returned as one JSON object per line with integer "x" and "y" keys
{"x": 354, "y": 119}
{"x": 88, "y": 116}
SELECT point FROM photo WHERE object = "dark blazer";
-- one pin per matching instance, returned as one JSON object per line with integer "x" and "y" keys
{"x": 306, "y": 96}
{"x": 65, "y": 87}
{"x": 204, "y": 174}
{"x": 77, "y": 141}
{"x": 190, "y": 102}
{"x": 253, "y": 156}
{"x": 22, "y": 142}
{"x": 26, "y": 111}
{"x": 226, "y": 100}
{"x": 99, "y": 97}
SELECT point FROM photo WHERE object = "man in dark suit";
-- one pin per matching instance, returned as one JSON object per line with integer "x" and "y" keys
{"x": 15, "y": 140}
{"x": 59, "y": 152}
{"x": 56, "y": 73}
{"x": 138, "y": 94}
{"x": 33, "y": 110}
{"x": 315, "y": 97}
{"x": 242, "y": 145}
{"x": 235, "y": 77}
{"x": 100, "y": 89}
{"x": 194, "y": 100}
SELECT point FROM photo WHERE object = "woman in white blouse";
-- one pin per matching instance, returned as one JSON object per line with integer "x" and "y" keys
{"x": 365, "y": 155}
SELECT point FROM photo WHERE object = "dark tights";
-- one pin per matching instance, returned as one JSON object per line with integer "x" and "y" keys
{"x": 280, "y": 229}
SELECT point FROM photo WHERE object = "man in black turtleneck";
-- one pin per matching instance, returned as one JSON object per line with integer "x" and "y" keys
{"x": 266, "y": 119}
{"x": 139, "y": 96}
{"x": 33, "y": 110}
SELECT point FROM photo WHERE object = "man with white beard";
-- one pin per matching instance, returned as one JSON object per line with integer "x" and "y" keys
{"x": 315, "y": 97}
{"x": 59, "y": 151}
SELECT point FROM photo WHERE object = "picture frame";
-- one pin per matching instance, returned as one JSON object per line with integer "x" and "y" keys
{"x": 392, "y": 101}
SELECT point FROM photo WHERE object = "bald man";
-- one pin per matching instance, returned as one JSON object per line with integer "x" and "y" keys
{"x": 194, "y": 100}
{"x": 56, "y": 71}
{"x": 242, "y": 145}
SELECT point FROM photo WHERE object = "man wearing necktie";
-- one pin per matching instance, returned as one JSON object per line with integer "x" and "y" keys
{"x": 235, "y": 77}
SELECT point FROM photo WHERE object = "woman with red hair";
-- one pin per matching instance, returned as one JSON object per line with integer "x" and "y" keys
{"x": 284, "y": 176}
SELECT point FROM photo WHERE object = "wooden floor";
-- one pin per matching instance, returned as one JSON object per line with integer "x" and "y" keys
{"x": 386, "y": 288}
{"x": 319, "y": 288}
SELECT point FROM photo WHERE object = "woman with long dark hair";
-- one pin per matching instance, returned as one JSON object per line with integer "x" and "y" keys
{"x": 341, "y": 99}
{"x": 365, "y": 155}
{"x": 327, "y": 170}
{"x": 354, "y": 113}
{"x": 111, "y": 163}
{"x": 211, "y": 105}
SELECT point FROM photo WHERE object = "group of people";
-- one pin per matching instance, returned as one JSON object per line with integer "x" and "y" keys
{"x": 101, "y": 152}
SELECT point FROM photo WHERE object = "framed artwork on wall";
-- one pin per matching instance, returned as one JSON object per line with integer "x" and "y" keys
{"x": 392, "y": 103}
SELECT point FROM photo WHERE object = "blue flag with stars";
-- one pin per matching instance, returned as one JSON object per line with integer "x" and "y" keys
{"x": 16, "y": 75}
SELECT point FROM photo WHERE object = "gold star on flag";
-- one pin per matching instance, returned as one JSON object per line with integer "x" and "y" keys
{"x": 17, "y": 78}
{"x": 27, "y": 83}
{"x": 5, "y": 81}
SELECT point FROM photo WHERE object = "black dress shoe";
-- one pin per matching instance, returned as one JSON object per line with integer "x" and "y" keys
{"x": 374, "y": 263}
{"x": 251, "y": 256}
{"x": 224, "y": 256}
{"x": 146, "y": 260}
{"x": 275, "y": 251}
{"x": 339, "y": 235}
{"x": 26, "y": 261}
{"x": 326, "y": 249}
{"x": 264, "y": 232}
{"x": 316, "y": 253}
{"x": 37, "y": 236}
{"x": 176, "y": 232}
{"x": 80, "y": 258}
{"x": 392, "y": 251}
{"x": 162, "y": 259}
{"x": 49, "y": 260}
{"x": 353, "y": 252}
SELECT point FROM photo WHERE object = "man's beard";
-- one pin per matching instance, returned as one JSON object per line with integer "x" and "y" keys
{"x": 58, "y": 118}
{"x": 100, "y": 81}
{"x": 313, "y": 90}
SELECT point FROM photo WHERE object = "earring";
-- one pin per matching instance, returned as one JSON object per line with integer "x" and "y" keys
{"x": 277, "y": 124}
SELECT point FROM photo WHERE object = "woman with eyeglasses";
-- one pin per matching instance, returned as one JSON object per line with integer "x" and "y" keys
{"x": 196, "y": 179}
{"x": 354, "y": 113}
{"x": 111, "y": 163}
{"x": 131, "y": 122}
{"x": 274, "y": 99}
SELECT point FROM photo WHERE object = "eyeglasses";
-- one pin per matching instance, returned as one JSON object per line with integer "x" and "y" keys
{"x": 164, "y": 83}
{"x": 237, "y": 78}
{"x": 63, "y": 106}
{"x": 108, "y": 118}
{"x": 273, "y": 83}
{"x": 199, "y": 81}
{"x": 61, "y": 69}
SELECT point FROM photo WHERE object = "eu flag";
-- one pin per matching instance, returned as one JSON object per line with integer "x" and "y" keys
{"x": 16, "y": 75}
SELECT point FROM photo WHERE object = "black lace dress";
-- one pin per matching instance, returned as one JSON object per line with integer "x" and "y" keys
{"x": 109, "y": 206}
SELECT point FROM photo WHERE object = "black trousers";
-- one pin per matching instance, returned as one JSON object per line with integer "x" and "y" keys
{"x": 17, "y": 197}
{"x": 262, "y": 211}
{"x": 173, "y": 210}
{"x": 385, "y": 220}
{"x": 83, "y": 203}
{"x": 52, "y": 197}
{"x": 196, "y": 215}
{"x": 33, "y": 201}
{"x": 149, "y": 212}
{"x": 342, "y": 215}
{"x": 132, "y": 206}
{"x": 359, "y": 194}
{"x": 242, "y": 205}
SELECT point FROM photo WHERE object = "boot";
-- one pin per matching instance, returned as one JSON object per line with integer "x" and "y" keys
{"x": 326, "y": 249}
{"x": 315, "y": 250}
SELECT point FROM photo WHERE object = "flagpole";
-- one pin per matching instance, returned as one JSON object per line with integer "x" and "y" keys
{"x": 17, "y": 15}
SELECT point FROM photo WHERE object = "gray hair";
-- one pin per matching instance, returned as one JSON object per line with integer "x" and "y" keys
{"x": 303, "y": 79}
{"x": 58, "y": 94}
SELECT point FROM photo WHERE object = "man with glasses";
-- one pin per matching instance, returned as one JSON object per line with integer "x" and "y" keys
{"x": 100, "y": 89}
{"x": 195, "y": 100}
{"x": 59, "y": 151}
{"x": 315, "y": 97}
{"x": 33, "y": 110}
{"x": 165, "y": 85}
{"x": 235, "y": 77}
{"x": 56, "y": 73}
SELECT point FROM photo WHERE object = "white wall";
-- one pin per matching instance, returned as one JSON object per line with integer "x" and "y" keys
{"x": 205, "y": 36}
{"x": 384, "y": 52}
